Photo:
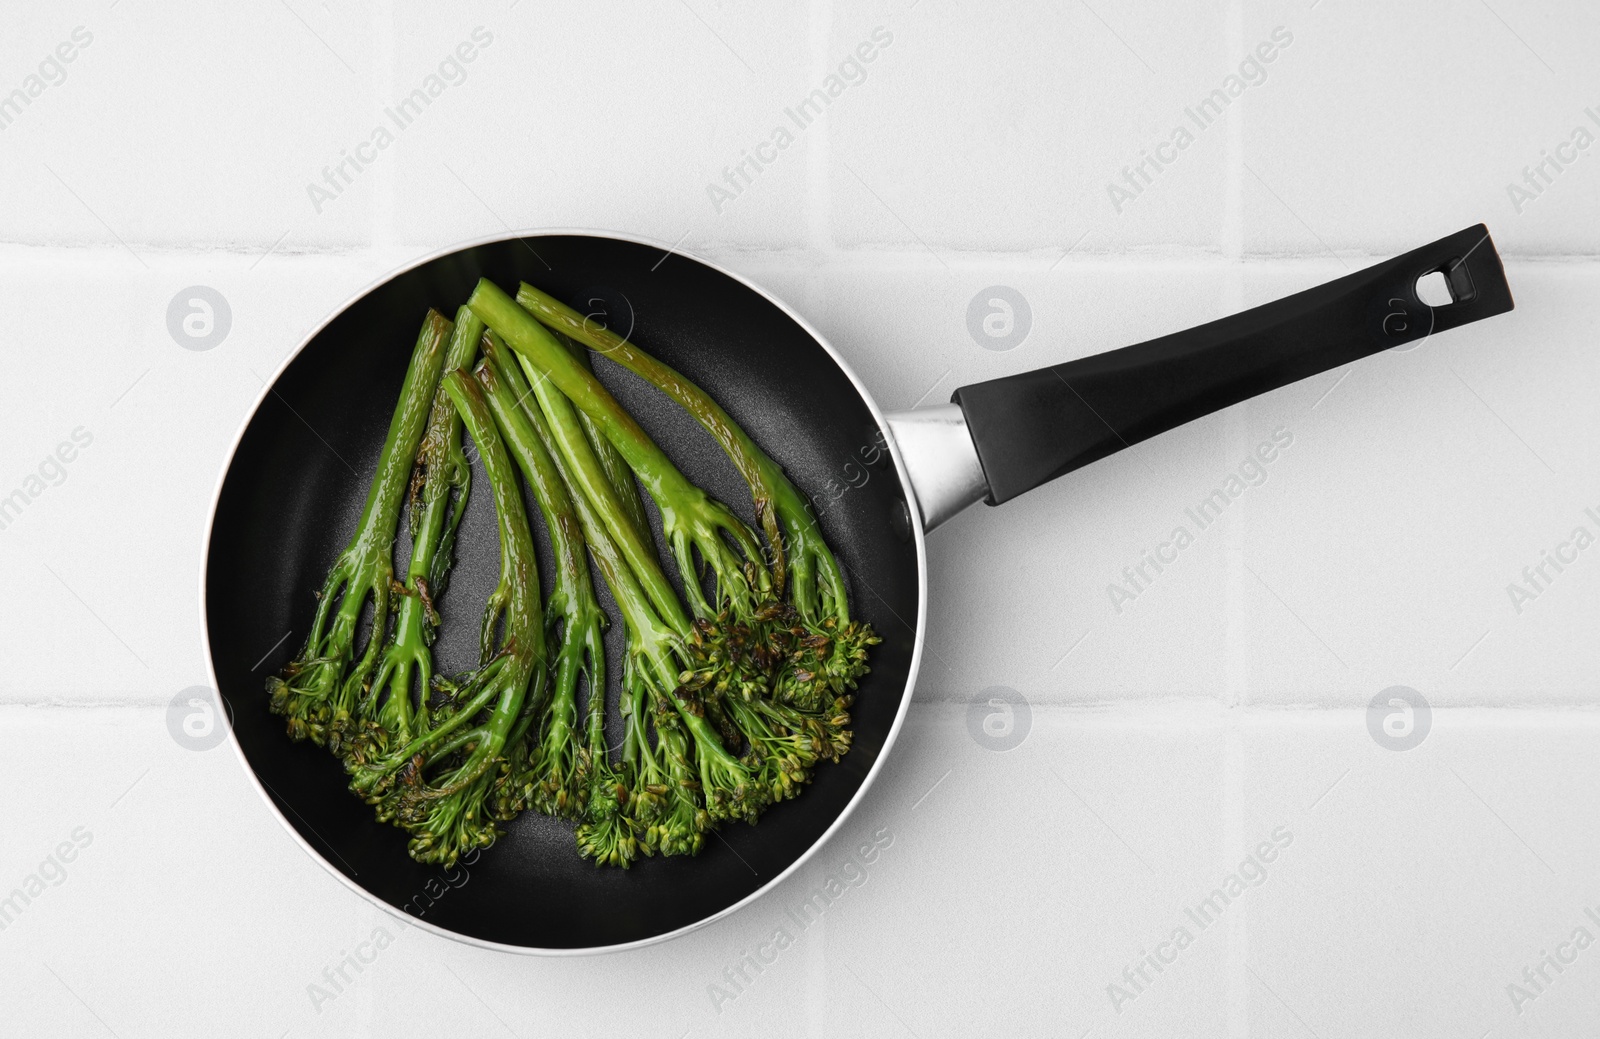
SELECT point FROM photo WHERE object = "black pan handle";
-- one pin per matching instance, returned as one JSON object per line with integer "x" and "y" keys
{"x": 1031, "y": 428}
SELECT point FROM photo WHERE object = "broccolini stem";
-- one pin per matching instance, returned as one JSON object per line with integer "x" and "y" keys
{"x": 775, "y": 497}
{"x": 452, "y": 812}
{"x": 524, "y": 623}
{"x": 655, "y": 646}
{"x": 571, "y": 450}
{"x": 474, "y": 698}
{"x": 555, "y": 780}
{"x": 439, "y": 486}
{"x": 316, "y": 692}
{"x": 616, "y": 468}
{"x": 692, "y": 521}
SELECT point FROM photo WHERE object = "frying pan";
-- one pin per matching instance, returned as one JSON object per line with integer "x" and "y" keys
{"x": 299, "y": 471}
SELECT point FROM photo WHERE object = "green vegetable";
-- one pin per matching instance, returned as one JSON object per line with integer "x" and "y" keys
{"x": 319, "y": 690}
{"x": 445, "y": 785}
{"x": 823, "y": 652}
{"x": 694, "y": 523}
{"x": 615, "y": 467}
{"x": 669, "y": 811}
{"x": 726, "y": 706}
{"x": 698, "y": 724}
{"x": 554, "y": 774}
{"x": 396, "y": 710}
{"x": 609, "y": 834}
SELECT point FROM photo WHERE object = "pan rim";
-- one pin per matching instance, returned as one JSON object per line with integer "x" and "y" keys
{"x": 917, "y": 533}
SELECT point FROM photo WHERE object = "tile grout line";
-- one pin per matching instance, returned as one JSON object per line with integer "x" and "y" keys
{"x": 1134, "y": 257}
{"x": 819, "y": 144}
{"x": 1233, "y": 837}
{"x": 381, "y": 214}
{"x": 1237, "y": 669}
{"x": 1236, "y": 651}
{"x": 1236, "y": 641}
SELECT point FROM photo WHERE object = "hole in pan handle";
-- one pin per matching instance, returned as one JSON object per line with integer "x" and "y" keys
{"x": 1031, "y": 428}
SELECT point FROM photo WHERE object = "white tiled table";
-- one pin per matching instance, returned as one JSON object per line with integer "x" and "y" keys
{"x": 1167, "y": 740}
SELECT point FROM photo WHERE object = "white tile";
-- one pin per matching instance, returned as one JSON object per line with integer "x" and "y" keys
{"x": 1001, "y": 127}
{"x": 104, "y": 564}
{"x": 1426, "y": 481}
{"x": 623, "y": 126}
{"x": 1423, "y": 883}
{"x": 1376, "y": 141}
{"x": 187, "y": 125}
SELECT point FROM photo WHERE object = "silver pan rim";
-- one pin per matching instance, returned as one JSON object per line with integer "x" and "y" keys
{"x": 917, "y": 534}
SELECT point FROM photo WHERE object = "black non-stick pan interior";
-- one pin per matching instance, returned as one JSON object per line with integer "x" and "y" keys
{"x": 295, "y": 487}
